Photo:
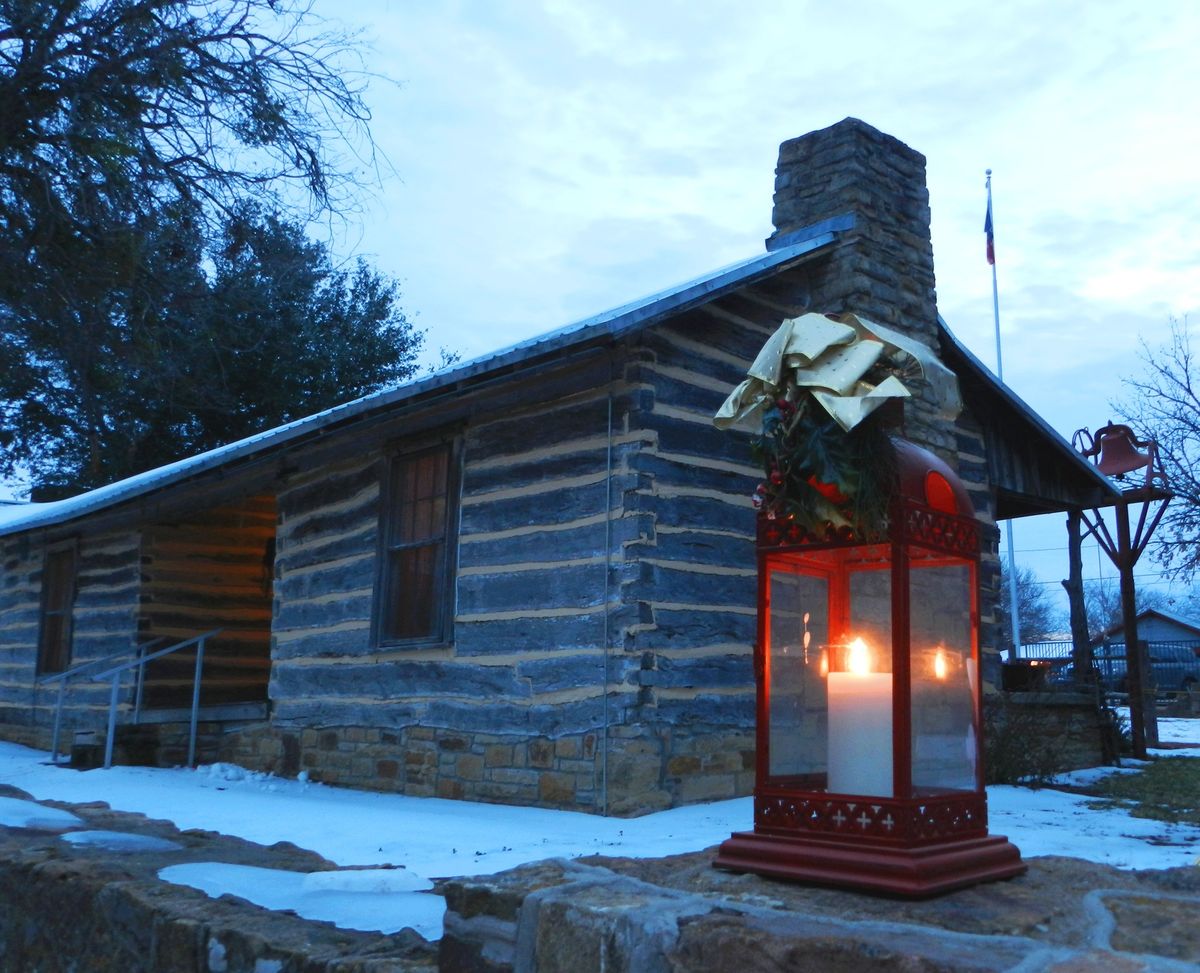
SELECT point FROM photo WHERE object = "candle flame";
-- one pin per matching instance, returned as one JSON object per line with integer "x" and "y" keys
{"x": 824, "y": 667}
{"x": 939, "y": 664}
{"x": 858, "y": 659}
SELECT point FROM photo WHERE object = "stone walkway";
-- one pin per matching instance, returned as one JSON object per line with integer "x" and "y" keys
{"x": 679, "y": 914}
{"x": 67, "y": 907}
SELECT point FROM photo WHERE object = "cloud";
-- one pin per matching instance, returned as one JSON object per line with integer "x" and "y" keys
{"x": 560, "y": 158}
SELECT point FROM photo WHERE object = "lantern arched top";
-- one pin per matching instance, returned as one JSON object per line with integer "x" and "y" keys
{"x": 927, "y": 479}
{"x": 930, "y": 506}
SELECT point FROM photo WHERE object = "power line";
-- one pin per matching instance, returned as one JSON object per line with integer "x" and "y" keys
{"x": 1043, "y": 550}
{"x": 1141, "y": 583}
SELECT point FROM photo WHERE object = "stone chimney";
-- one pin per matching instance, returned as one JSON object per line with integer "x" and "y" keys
{"x": 882, "y": 266}
{"x": 870, "y": 188}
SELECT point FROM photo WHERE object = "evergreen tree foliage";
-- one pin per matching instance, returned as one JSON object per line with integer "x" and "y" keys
{"x": 200, "y": 343}
{"x": 155, "y": 299}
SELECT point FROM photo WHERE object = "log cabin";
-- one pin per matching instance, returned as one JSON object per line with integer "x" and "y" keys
{"x": 528, "y": 578}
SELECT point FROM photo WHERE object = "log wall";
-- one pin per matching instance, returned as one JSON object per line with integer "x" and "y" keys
{"x": 104, "y": 622}
{"x": 605, "y": 595}
{"x": 210, "y": 570}
{"x": 691, "y": 735}
{"x": 605, "y": 602}
{"x": 511, "y": 710}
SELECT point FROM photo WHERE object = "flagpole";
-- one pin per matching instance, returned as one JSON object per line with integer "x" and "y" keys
{"x": 1013, "y": 614}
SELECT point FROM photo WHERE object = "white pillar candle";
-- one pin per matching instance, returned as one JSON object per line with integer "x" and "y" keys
{"x": 860, "y": 730}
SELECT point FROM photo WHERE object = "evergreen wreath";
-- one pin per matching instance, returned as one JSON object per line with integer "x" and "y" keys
{"x": 829, "y": 481}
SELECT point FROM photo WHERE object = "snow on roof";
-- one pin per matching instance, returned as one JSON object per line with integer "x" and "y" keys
{"x": 612, "y": 323}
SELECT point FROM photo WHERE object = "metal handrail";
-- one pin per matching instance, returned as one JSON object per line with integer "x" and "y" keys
{"x": 139, "y": 663}
{"x": 65, "y": 676}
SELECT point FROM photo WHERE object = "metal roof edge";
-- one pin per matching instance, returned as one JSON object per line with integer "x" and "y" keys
{"x": 615, "y": 322}
{"x": 984, "y": 374}
{"x": 834, "y": 224}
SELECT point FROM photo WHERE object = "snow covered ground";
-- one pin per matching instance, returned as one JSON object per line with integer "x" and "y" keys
{"x": 434, "y": 838}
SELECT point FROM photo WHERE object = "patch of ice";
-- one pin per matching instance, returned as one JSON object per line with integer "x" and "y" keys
{"x": 217, "y": 962}
{"x": 1089, "y": 775}
{"x": 120, "y": 841}
{"x": 15, "y": 813}
{"x": 385, "y": 910}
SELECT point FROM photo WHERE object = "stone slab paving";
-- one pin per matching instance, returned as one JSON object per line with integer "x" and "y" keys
{"x": 75, "y": 907}
{"x": 679, "y": 914}
{"x": 92, "y": 906}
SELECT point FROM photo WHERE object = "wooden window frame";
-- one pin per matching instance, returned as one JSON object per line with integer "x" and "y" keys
{"x": 445, "y": 574}
{"x": 49, "y": 657}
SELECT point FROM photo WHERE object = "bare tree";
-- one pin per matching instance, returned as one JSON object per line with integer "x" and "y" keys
{"x": 1102, "y": 602}
{"x": 1036, "y": 612}
{"x": 1163, "y": 404}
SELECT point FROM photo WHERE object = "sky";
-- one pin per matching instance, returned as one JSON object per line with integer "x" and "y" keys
{"x": 544, "y": 161}
{"x": 401, "y": 843}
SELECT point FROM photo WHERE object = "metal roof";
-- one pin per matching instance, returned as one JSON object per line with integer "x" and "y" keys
{"x": 609, "y": 324}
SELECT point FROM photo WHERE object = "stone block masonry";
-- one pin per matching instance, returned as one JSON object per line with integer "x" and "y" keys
{"x": 67, "y": 908}
{"x": 647, "y": 769}
{"x": 883, "y": 266}
{"x": 638, "y": 915}
{"x": 427, "y": 762}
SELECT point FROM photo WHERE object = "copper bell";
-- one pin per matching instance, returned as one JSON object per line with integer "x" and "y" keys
{"x": 1118, "y": 451}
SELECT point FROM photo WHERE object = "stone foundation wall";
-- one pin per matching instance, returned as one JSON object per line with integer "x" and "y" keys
{"x": 427, "y": 762}
{"x": 1037, "y": 735}
{"x": 37, "y": 737}
{"x": 655, "y": 767}
{"x": 647, "y": 768}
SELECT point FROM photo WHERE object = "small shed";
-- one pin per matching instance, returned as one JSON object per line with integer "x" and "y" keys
{"x": 1158, "y": 625}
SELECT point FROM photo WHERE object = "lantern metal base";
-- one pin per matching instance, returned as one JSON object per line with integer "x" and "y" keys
{"x": 907, "y": 872}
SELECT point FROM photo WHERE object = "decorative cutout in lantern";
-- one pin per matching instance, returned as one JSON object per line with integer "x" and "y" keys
{"x": 868, "y": 744}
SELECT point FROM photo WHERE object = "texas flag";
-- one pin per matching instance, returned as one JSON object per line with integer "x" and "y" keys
{"x": 987, "y": 229}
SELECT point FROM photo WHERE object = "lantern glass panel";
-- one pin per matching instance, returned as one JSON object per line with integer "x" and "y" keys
{"x": 798, "y": 631}
{"x": 828, "y": 642}
{"x": 870, "y": 614}
{"x": 944, "y": 674}
{"x": 860, "y": 679}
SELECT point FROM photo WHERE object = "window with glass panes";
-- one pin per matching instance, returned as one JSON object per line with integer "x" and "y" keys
{"x": 58, "y": 600}
{"x": 415, "y": 592}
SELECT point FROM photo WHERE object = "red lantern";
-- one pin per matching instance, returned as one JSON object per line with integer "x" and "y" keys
{"x": 869, "y": 771}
